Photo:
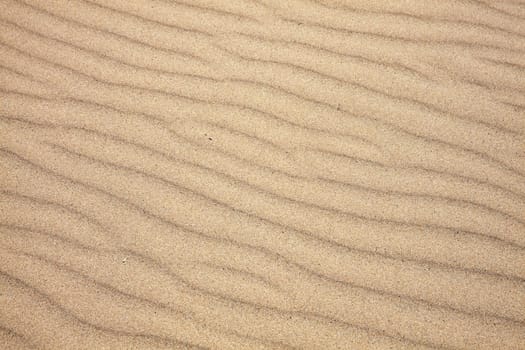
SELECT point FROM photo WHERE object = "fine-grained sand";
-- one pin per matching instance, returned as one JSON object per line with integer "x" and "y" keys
{"x": 262, "y": 174}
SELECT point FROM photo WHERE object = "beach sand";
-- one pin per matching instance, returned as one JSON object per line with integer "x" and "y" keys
{"x": 262, "y": 174}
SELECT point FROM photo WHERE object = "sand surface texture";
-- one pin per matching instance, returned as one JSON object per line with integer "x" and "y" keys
{"x": 262, "y": 174}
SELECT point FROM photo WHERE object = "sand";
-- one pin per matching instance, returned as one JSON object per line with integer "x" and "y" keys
{"x": 262, "y": 174}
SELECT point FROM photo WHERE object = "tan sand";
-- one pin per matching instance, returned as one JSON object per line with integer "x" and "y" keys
{"x": 262, "y": 174}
